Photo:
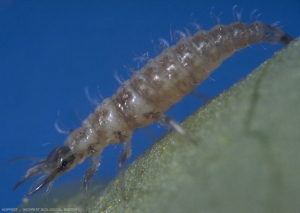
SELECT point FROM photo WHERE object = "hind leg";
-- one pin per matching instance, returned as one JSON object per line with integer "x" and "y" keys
{"x": 168, "y": 121}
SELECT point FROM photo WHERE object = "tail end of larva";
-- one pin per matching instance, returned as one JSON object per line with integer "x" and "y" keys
{"x": 275, "y": 35}
{"x": 285, "y": 39}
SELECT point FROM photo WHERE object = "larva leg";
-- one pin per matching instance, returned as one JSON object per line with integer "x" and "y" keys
{"x": 88, "y": 176}
{"x": 200, "y": 96}
{"x": 168, "y": 121}
{"x": 123, "y": 157}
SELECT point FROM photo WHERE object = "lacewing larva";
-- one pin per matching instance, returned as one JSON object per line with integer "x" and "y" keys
{"x": 143, "y": 99}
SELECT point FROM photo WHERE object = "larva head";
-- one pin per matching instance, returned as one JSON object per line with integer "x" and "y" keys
{"x": 59, "y": 161}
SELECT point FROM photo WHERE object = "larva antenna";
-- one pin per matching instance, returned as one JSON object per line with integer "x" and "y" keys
{"x": 18, "y": 159}
{"x": 59, "y": 161}
{"x": 47, "y": 182}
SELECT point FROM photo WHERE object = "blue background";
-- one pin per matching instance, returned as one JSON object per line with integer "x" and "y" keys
{"x": 50, "y": 51}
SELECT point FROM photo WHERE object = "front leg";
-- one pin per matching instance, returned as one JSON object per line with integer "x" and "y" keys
{"x": 87, "y": 178}
{"x": 127, "y": 150}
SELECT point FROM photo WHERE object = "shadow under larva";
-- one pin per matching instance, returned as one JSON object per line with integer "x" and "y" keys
{"x": 143, "y": 99}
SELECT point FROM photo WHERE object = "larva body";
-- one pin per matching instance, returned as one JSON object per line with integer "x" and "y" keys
{"x": 143, "y": 99}
{"x": 164, "y": 81}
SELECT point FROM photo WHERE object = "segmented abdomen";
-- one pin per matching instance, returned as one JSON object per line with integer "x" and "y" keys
{"x": 174, "y": 73}
{"x": 166, "y": 79}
